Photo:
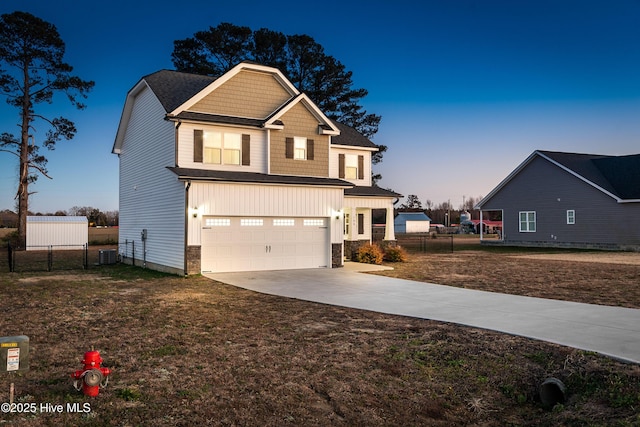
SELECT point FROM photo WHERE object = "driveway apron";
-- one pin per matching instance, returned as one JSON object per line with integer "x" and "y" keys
{"x": 612, "y": 331}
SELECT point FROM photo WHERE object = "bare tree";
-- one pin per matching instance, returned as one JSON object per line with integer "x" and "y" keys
{"x": 33, "y": 52}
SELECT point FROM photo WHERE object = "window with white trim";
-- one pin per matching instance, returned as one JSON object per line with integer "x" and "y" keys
{"x": 222, "y": 148}
{"x": 251, "y": 222}
{"x": 299, "y": 148}
{"x": 217, "y": 222}
{"x": 278, "y": 222}
{"x": 527, "y": 222}
{"x": 571, "y": 216}
{"x": 351, "y": 166}
{"x": 313, "y": 222}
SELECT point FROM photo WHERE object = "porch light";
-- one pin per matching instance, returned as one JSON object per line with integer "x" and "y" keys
{"x": 195, "y": 212}
{"x": 337, "y": 214}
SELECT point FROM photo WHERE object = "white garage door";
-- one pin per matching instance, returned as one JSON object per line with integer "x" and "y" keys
{"x": 250, "y": 244}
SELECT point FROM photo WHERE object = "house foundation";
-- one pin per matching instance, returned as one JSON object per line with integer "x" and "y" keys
{"x": 193, "y": 259}
{"x": 336, "y": 255}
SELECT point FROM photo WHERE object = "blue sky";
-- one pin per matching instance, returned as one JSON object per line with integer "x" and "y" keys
{"x": 466, "y": 89}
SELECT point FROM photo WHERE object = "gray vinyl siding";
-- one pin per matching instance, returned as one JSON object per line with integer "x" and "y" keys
{"x": 551, "y": 191}
{"x": 151, "y": 197}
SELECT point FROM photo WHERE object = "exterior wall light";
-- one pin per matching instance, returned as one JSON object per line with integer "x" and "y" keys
{"x": 195, "y": 212}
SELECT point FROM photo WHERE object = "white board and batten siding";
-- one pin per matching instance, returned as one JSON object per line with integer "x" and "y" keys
{"x": 251, "y": 200}
{"x": 151, "y": 197}
{"x": 57, "y": 232}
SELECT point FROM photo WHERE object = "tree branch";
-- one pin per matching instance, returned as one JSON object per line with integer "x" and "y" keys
{"x": 9, "y": 151}
{"x": 39, "y": 169}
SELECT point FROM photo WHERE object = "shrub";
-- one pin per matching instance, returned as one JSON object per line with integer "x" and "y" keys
{"x": 395, "y": 254}
{"x": 369, "y": 254}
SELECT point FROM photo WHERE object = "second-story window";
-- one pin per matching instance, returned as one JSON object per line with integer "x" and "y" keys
{"x": 351, "y": 167}
{"x": 300, "y": 148}
{"x": 222, "y": 148}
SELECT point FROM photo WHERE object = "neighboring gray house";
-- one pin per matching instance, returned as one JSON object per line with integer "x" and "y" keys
{"x": 412, "y": 222}
{"x": 570, "y": 200}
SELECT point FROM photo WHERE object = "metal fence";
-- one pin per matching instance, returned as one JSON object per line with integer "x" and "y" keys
{"x": 48, "y": 257}
{"x": 52, "y": 257}
{"x": 127, "y": 251}
{"x": 426, "y": 242}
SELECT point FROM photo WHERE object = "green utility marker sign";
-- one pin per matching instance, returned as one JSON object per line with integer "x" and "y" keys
{"x": 14, "y": 353}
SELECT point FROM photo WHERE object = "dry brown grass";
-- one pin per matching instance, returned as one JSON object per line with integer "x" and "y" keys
{"x": 590, "y": 277}
{"x": 197, "y": 352}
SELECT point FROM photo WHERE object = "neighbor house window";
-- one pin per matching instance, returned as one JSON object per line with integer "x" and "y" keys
{"x": 571, "y": 216}
{"x": 528, "y": 222}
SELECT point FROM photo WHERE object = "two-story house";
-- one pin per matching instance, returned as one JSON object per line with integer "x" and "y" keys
{"x": 238, "y": 173}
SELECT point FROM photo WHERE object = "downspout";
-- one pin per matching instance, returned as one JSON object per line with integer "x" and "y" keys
{"x": 175, "y": 148}
{"x": 186, "y": 224}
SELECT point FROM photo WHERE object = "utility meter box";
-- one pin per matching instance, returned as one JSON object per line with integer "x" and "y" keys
{"x": 14, "y": 353}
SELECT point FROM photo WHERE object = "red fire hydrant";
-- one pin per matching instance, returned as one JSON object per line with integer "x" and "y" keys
{"x": 93, "y": 376}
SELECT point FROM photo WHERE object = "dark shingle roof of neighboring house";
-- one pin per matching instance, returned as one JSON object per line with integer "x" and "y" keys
{"x": 233, "y": 176}
{"x": 174, "y": 88}
{"x": 618, "y": 175}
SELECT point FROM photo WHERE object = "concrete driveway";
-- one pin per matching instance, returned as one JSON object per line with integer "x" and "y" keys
{"x": 611, "y": 331}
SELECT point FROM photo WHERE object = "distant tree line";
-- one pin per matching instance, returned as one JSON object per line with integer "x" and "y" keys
{"x": 445, "y": 212}
{"x": 96, "y": 218}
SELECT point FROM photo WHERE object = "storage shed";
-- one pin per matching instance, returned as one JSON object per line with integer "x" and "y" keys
{"x": 59, "y": 232}
{"x": 412, "y": 222}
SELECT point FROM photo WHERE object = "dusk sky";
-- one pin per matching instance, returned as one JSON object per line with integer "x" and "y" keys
{"x": 466, "y": 89}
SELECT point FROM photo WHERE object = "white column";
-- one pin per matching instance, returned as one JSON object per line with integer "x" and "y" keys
{"x": 481, "y": 227}
{"x": 389, "y": 231}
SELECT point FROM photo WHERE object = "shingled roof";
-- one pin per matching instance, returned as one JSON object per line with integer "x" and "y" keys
{"x": 174, "y": 88}
{"x": 251, "y": 177}
{"x": 618, "y": 175}
{"x": 350, "y": 136}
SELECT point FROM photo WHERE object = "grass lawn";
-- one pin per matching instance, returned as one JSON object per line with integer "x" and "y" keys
{"x": 191, "y": 351}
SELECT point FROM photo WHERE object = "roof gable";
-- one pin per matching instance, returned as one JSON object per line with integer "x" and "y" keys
{"x": 616, "y": 176}
{"x": 325, "y": 125}
{"x": 185, "y": 96}
{"x": 284, "y": 83}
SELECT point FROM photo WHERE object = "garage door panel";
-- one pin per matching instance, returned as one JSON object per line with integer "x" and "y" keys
{"x": 249, "y": 244}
